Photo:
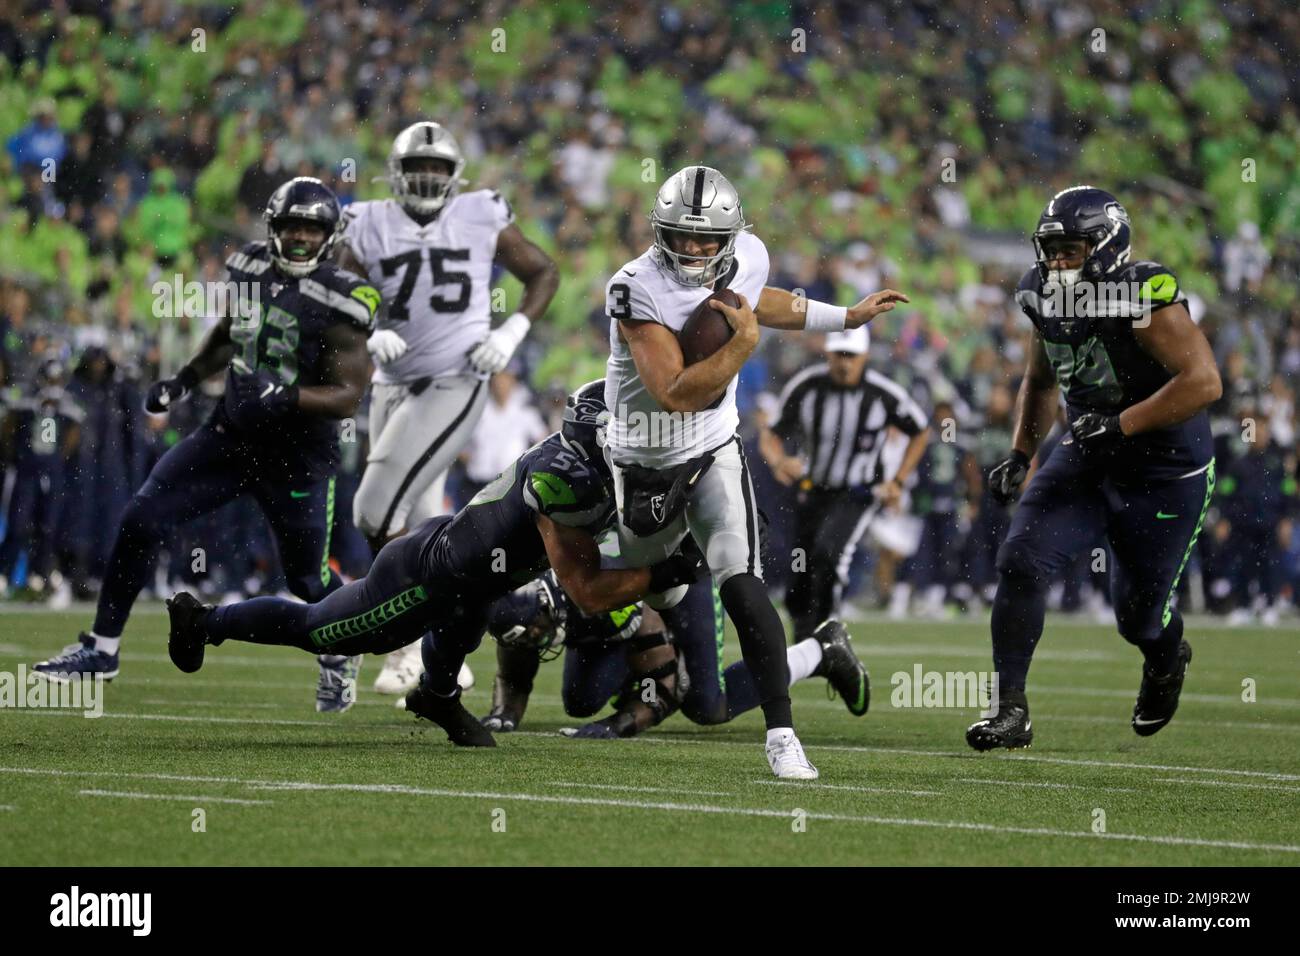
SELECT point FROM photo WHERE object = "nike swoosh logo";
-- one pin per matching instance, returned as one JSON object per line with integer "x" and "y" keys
{"x": 1161, "y": 514}
{"x": 299, "y": 494}
{"x": 630, "y": 274}
{"x": 1146, "y": 723}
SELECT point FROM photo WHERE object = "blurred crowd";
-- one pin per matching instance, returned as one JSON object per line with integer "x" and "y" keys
{"x": 908, "y": 144}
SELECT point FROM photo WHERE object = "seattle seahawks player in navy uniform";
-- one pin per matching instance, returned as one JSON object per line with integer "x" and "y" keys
{"x": 294, "y": 352}
{"x": 542, "y": 512}
{"x": 611, "y": 655}
{"x": 1138, "y": 464}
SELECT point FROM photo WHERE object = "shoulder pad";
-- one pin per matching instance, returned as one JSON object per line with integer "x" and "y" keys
{"x": 252, "y": 259}
{"x": 350, "y": 297}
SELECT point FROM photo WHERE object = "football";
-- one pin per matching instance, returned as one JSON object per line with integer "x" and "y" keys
{"x": 707, "y": 329}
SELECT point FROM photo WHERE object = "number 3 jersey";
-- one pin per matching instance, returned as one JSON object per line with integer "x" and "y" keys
{"x": 1101, "y": 367}
{"x": 286, "y": 334}
{"x": 435, "y": 278}
{"x": 640, "y": 431}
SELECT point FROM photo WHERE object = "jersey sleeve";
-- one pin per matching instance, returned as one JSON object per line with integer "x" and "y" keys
{"x": 627, "y": 301}
{"x": 788, "y": 424}
{"x": 1158, "y": 285}
{"x": 348, "y": 297}
{"x": 501, "y": 213}
{"x": 357, "y": 230}
{"x": 565, "y": 490}
{"x": 752, "y": 267}
{"x": 901, "y": 410}
{"x": 248, "y": 262}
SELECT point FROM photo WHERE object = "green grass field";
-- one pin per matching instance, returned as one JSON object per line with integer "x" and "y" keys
{"x": 279, "y": 784}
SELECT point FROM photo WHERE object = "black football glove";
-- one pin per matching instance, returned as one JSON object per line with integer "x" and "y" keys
{"x": 1096, "y": 432}
{"x": 685, "y": 567}
{"x": 1007, "y": 477}
{"x": 163, "y": 395}
{"x": 258, "y": 397}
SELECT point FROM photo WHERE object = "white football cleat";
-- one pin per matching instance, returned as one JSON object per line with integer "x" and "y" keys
{"x": 401, "y": 670}
{"x": 786, "y": 757}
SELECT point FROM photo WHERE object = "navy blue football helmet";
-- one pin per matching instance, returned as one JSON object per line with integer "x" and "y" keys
{"x": 302, "y": 199}
{"x": 533, "y": 616}
{"x": 585, "y": 418}
{"x": 1090, "y": 214}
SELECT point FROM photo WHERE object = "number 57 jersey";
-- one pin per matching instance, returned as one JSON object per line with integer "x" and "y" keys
{"x": 434, "y": 278}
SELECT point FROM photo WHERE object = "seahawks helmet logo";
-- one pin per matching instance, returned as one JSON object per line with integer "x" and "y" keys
{"x": 1117, "y": 213}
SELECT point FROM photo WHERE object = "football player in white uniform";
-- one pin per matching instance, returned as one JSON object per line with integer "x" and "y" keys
{"x": 430, "y": 251}
{"x": 677, "y": 462}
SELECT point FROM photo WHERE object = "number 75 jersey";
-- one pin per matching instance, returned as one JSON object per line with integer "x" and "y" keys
{"x": 434, "y": 278}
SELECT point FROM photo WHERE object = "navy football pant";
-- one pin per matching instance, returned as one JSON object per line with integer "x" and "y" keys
{"x": 1151, "y": 528}
{"x": 597, "y": 672}
{"x": 202, "y": 472}
{"x": 401, "y": 599}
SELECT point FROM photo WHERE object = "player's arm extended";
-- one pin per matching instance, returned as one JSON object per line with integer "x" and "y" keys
{"x": 779, "y": 309}
{"x": 676, "y": 386}
{"x": 215, "y": 351}
{"x": 347, "y": 369}
{"x": 1036, "y": 401}
{"x": 1177, "y": 343}
{"x": 528, "y": 263}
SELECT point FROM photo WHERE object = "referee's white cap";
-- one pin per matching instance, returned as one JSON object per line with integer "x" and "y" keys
{"x": 853, "y": 341}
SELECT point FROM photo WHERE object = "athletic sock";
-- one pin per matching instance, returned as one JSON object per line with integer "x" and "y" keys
{"x": 803, "y": 659}
{"x": 1019, "y": 608}
{"x": 106, "y": 645}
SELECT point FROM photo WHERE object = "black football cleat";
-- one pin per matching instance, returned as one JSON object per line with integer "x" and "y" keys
{"x": 187, "y": 637}
{"x": 1009, "y": 728}
{"x": 841, "y": 667}
{"x": 463, "y": 728}
{"x": 1158, "y": 697}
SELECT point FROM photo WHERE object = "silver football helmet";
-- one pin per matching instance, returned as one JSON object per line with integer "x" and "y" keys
{"x": 424, "y": 193}
{"x": 701, "y": 202}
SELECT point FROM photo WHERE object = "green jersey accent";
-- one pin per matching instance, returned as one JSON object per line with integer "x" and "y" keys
{"x": 1191, "y": 543}
{"x": 329, "y": 530}
{"x": 1160, "y": 289}
{"x": 368, "y": 296}
{"x": 552, "y": 490}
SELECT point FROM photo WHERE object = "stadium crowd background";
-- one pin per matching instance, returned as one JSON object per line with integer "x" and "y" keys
{"x": 908, "y": 144}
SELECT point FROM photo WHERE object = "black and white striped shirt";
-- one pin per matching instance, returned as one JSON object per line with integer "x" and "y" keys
{"x": 841, "y": 431}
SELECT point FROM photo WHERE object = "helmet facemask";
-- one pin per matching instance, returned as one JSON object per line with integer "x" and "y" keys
{"x": 288, "y": 254}
{"x": 419, "y": 188}
{"x": 694, "y": 270}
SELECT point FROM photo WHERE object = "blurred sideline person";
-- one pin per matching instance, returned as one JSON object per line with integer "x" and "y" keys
{"x": 838, "y": 414}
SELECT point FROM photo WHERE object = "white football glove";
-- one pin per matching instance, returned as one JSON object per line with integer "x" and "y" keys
{"x": 386, "y": 346}
{"x": 493, "y": 353}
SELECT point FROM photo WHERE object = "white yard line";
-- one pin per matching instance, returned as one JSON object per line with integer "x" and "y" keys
{"x": 1226, "y": 783}
{"x": 1043, "y": 786}
{"x": 400, "y": 789}
{"x": 835, "y": 786}
{"x": 704, "y": 739}
{"x": 133, "y": 795}
{"x": 623, "y": 787}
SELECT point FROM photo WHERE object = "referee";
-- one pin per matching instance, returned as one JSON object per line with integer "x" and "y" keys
{"x": 838, "y": 414}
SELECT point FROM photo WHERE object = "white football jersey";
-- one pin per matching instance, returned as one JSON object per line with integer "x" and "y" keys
{"x": 435, "y": 278}
{"x": 640, "y": 431}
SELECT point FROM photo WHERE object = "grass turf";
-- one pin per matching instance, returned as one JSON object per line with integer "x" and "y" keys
{"x": 279, "y": 784}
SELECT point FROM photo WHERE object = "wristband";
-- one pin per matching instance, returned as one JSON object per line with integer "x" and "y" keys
{"x": 824, "y": 317}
